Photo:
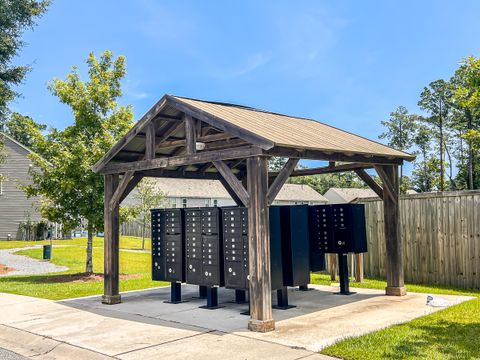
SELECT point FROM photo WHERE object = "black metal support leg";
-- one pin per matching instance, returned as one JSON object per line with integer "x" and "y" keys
{"x": 343, "y": 272}
{"x": 212, "y": 299}
{"x": 240, "y": 296}
{"x": 202, "y": 292}
{"x": 282, "y": 299}
{"x": 175, "y": 293}
{"x": 304, "y": 288}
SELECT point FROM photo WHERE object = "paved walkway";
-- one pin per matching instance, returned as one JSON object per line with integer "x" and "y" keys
{"x": 144, "y": 327}
{"x": 25, "y": 265}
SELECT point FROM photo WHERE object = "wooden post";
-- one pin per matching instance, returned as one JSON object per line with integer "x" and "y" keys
{"x": 150, "y": 141}
{"x": 190, "y": 135}
{"x": 111, "y": 244}
{"x": 261, "y": 319}
{"x": 393, "y": 239}
{"x": 359, "y": 268}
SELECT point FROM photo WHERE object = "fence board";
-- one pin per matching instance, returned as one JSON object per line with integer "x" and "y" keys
{"x": 441, "y": 238}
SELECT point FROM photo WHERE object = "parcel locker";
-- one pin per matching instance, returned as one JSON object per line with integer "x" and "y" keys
{"x": 295, "y": 245}
{"x": 168, "y": 245}
{"x": 320, "y": 227}
{"x": 235, "y": 236}
{"x": 204, "y": 247}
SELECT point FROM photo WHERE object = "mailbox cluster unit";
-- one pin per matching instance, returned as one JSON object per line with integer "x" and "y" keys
{"x": 338, "y": 229}
{"x": 209, "y": 246}
{"x": 168, "y": 245}
{"x": 204, "y": 247}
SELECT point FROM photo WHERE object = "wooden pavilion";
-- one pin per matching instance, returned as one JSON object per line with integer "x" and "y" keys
{"x": 187, "y": 138}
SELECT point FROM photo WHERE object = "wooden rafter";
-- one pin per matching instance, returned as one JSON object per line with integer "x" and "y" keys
{"x": 150, "y": 141}
{"x": 280, "y": 180}
{"x": 190, "y": 135}
{"x": 233, "y": 182}
{"x": 131, "y": 185}
{"x": 326, "y": 169}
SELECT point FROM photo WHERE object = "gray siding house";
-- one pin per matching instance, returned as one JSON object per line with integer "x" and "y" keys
{"x": 15, "y": 207}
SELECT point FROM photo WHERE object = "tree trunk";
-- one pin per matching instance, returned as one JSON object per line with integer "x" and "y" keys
{"x": 470, "y": 154}
{"x": 89, "y": 264}
{"x": 143, "y": 233}
{"x": 442, "y": 170}
{"x": 453, "y": 185}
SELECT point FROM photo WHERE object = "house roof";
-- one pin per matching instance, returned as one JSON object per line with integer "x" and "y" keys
{"x": 350, "y": 194}
{"x": 195, "y": 188}
{"x": 6, "y": 136}
{"x": 268, "y": 131}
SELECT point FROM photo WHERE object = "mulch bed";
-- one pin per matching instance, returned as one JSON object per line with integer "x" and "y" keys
{"x": 83, "y": 277}
{"x": 5, "y": 269}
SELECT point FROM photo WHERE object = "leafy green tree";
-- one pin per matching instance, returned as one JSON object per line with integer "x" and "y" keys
{"x": 436, "y": 99}
{"x": 72, "y": 193}
{"x": 420, "y": 176}
{"x": 426, "y": 176}
{"x": 148, "y": 197}
{"x": 466, "y": 87}
{"x": 15, "y": 17}
{"x": 276, "y": 163}
{"x": 24, "y": 129}
{"x": 400, "y": 131}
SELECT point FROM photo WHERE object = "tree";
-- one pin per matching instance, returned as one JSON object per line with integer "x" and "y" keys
{"x": 436, "y": 99}
{"x": 276, "y": 163}
{"x": 321, "y": 183}
{"x": 421, "y": 177}
{"x": 466, "y": 98}
{"x": 400, "y": 131}
{"x": 72, "y": 193}
{"x": 24, "y": 129}
{"x": 15, "y": 17}
{"x": 148, "y": 197}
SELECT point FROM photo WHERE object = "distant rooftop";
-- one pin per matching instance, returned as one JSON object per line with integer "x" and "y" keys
{"x": 338, "y": 195}
{"x": 193, "y": 188}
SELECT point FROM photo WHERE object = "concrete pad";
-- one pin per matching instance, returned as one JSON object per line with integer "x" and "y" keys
{"x": 317, "y": 330}
{"x": 25, "y": 343}
{"x": 217, "y": 345}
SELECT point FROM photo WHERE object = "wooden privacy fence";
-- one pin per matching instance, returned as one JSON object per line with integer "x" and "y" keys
{"x": 441, "y": 238}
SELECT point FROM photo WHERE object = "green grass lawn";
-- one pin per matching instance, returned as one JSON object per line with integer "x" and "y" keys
{"x": 452, "y": 333}
{"x": 71, "y": 253}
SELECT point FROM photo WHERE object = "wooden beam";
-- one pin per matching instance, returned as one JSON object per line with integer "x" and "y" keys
{"x": 168, "y": 132}
{"x": 362, "y": 174}
{"x": 326, "y": 169}
{"x": 218, "y": 145}
{"x": 393, "y": 238}
{"x": 198, "y": 158}
{"x": 205, "y": 139}
{"x": 333, "y": 156}
{"x": 190, "y": 135}
{"x": 232, "y": 181}
{"x": 260, "y": 290}
{"x": 134, "y": 131}
{"x": 150, "y": 141}
{"x": 388, "y": 186}
{"x": 280, "y": 180}
{"x": 180, "y": 175}
{"x": 131, "y": 185}
{"x": 115, "y": 200}
{"x": 231, "y": 192}
{"x": 220, "y": 123}
{"x": 111, "y": 293}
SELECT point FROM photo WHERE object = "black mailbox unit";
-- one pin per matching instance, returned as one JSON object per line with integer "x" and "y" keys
{"x": 204, "y": 250}
{"x": 168, "y": 245}
{"x": 235, "y": 235}
{"x": 320, "y": 228}
{"x": 295, "y": 245}
{"x": 349, "y": 230}
{"x": 168, "y": 249}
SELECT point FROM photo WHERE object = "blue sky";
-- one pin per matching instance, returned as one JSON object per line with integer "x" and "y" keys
{"x": 346, "y": 63}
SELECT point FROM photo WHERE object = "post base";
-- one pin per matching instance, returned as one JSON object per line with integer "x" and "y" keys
{"x": 111, "y": 299}
{"x": 261, "y": 325}
{"x": 395, "y": 291}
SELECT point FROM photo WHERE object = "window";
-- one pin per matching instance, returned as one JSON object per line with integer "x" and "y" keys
{"x": 207, "y": 202}
{"x": 215, "y": 202}
{"x": 184, "y": 203}
{"x": 174, "y": 203}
